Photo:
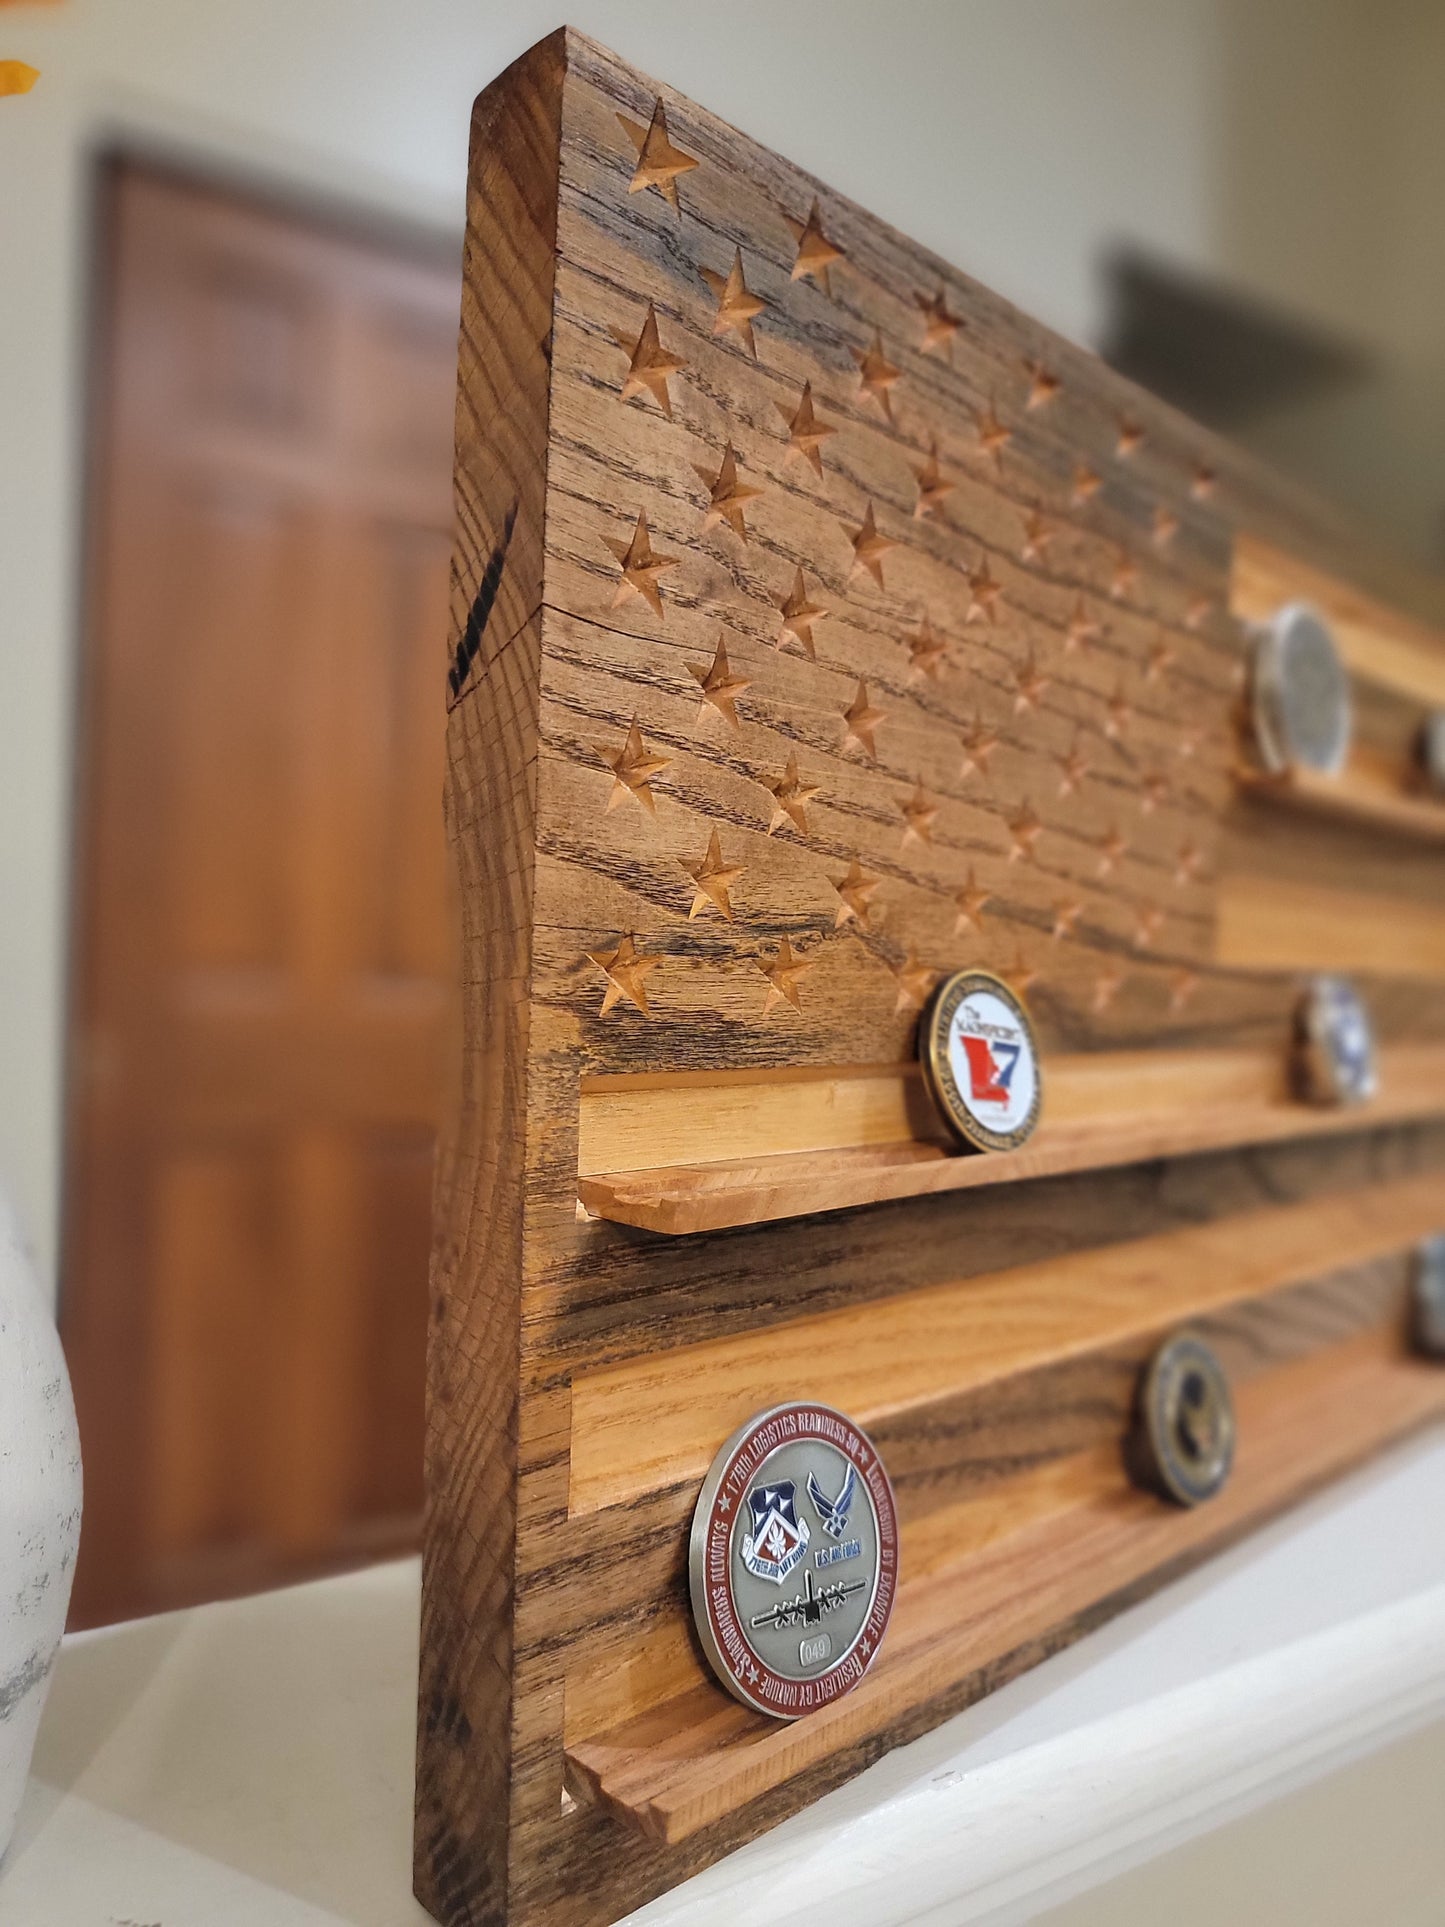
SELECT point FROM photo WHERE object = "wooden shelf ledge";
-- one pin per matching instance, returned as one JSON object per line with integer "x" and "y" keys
{"x": 959, "y": 1629}
{"x": 852, "y": 1138}
{"x": 1363, "y": 793}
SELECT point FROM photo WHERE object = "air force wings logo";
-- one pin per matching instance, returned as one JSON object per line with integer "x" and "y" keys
{"x": 779, "y": 1538}
{"x": 833, "y": 1512}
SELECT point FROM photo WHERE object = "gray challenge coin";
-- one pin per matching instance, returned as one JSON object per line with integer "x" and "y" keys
{"x": 1300, "y": 694}
{"x": 1431, "y": 752}
{"x": 1334, "y": 1044}
{"x": 1184, "y": 1443}
{"x": 793, "y": 1559}
{"x": 1427, "y": 1292}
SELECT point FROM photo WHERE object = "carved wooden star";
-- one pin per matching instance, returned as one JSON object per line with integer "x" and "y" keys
{"x": 1202, "y": 487}
{"x": 799, "y": 615}
{"x": 719, "y": 686}
{"x": 1106, "y": 988}
{"x": 1043, "y": 384}
{"x": 1111, "y": 853}
{"x": 784, "y": 974}
{"x": 1189, "y": 741}
{"x": 1166, "y": 527}
{"x": 927, "y": 652}
{"x": 862, "y": 719}
{"x": 712, "y": 879}
{"x": 915, "y": 980}
{"x": 1032, "y": 684}
{"x": 1086, "y": 484}
{"x": 641, "y": 567}
{"x": 1147, "y": 920}
{"x": 806, "y": 432}
{"x": 993, "y": 437}
{"x": 1073, "y": 768}
{"x": 626, "y": 971}
{"x": 876, "y": 373}
{"x": 1066, "y": 915}
{"x": 1186, "y": 864}
{"x": 658, "y": 162}
{"x": 1082, "y": 629}
{"x": 939, "y": 326}
{"x": 1037, "y": 537}
{"x": 1161, "y": 657}
{"x": 1024, "y": 830}
{"x": 1197, "y": 612}
{"x": 978, "y": 746}
{"x": 1130, "y": 436}
{"x": 983, "y": 592}
{"x": 855, "y": 888}
{"x": 919, "y": 812}
{"x": 728, "y": 496}
{"x": 1153, "y": 791}
{"x": 1021, "y": 974}
{"x": 737, "y": 306}
{"x": 869, "y": 547}
{"x": 933, "y": 490}
{"x": 1126, "y": 574}
{"x": 1119, "y": 715}
{"x": 1182, "y": 987}
{"x": 969, "y": 902}
{"x": 633, "y": 769}
{"x": 649, "y": 367}
{"x": 791, "y": 796}
{"x": 816, "y": 253}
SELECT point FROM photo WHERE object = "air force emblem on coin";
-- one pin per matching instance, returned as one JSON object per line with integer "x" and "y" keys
{"x": 980, "y": 1061}
{"x": 793, "y": 1560}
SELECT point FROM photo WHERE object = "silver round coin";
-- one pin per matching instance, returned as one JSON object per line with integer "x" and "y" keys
{"x": 1300, "y": 694}
{"x": 1184, "y": 1444}
{"x": 1334, "y": 1044}
{"x": 1427, "y": 1293}
{"x": 793, "y": 1559}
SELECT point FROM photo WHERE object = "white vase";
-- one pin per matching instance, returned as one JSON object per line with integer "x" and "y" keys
{"x": 39, "y": 1510}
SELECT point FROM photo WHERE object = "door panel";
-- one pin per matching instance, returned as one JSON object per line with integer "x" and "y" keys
{"x": 261, "y": 1001}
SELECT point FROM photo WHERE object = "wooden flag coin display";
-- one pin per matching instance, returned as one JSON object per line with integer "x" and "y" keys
{"x": 822, "y": 629}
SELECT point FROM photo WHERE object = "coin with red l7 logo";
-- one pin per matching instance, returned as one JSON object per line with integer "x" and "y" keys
{"x": 793, "y": 1561}
{"x": 980, "y": 1061}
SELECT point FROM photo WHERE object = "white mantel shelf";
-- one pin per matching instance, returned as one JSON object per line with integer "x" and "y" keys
{"x": 249, "y": 1765}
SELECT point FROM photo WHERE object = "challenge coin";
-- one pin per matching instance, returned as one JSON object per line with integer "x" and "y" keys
{"x": 980, "y": 1061}
{"x": 793, "y": 1560}
{"x": 1427, "y": 1293}
{"x": 1334, "y": 1044}
{"x": 1184, "y": 1444}
{"x": 1300, "y": 694}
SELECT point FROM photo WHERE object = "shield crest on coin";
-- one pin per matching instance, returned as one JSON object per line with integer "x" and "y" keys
{"x": 779, "y": 1538}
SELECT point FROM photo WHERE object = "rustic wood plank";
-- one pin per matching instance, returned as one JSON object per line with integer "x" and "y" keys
{"x": 689, "y": 724}
{"x": 467, "y": 1755}
{"x": 681, "y": 1767}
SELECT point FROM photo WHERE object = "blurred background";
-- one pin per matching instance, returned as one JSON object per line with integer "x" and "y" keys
{"x": 229, "y": 261}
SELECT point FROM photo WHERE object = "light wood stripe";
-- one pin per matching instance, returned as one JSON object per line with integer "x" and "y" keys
{"x": 1100, "y": 1109}
{"x": 1271, "y": 923}
{"x": 657, "y": 1420}
{"x": 1378, "y": 643}
{"x": 681, "y": 1765}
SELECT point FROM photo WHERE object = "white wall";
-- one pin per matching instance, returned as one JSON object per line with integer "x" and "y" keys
{"x": 1014, "y": 136}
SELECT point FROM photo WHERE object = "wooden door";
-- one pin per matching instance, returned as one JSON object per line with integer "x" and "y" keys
{"x": 261, "y": 941}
